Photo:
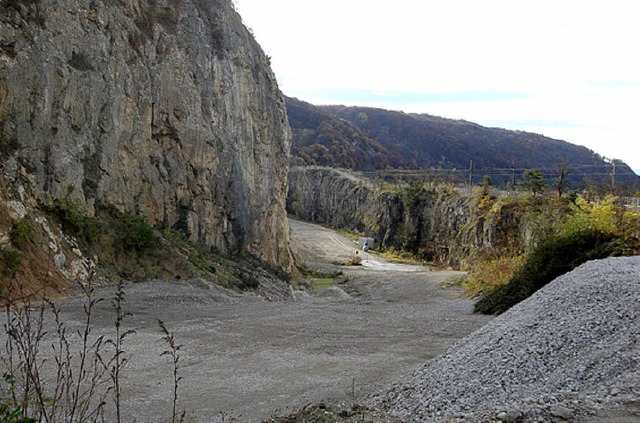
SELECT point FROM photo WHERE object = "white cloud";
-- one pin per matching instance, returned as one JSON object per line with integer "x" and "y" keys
{"x": 576, "y": 61}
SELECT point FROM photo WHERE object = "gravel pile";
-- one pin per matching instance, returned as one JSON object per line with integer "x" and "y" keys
{"x": 335, "y": 293}
{"x": 567, "y": 352}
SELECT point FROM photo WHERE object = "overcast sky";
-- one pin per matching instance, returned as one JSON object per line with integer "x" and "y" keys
{"x": 566, "y": 69}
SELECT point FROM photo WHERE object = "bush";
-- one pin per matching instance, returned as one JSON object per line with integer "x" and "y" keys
{"x": 74, "y": 220}
{"x": 10, "y": 410}
{"x": 20, "y": 233}
{"x": 136, "y": 234}
{"x": 12, "y": 259}
{"x": 569, "y": 233}
{"x": 490, "y": 274}
{"x": 553, "y": 257}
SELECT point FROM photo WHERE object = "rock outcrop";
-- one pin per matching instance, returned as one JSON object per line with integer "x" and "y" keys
{"x": 445, "y": 227}
{"x": 165, "y": 109}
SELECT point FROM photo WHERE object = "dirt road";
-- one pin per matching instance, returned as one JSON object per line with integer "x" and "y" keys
{"x": 250, "y": 359}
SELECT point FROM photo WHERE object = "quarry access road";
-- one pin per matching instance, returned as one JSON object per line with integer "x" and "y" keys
{"x": 246, "y": 358}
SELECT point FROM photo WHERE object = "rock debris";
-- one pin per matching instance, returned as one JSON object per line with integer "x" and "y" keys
{"x": 566, "y": 353}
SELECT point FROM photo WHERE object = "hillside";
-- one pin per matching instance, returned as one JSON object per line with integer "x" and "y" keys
{"x": 320, "y": 138}
{"x": 425, "y": 141}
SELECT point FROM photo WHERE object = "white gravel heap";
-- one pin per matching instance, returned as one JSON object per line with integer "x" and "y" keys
{"x": 568, "y": 351}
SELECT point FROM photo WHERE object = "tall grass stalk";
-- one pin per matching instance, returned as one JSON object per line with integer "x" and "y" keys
{"x": 73, "y": 392}
{"x": 173, "y": 351}
{"x": 118, "y": 360}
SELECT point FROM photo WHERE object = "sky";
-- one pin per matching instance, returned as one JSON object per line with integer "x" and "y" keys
{"x": 565, "y": 69}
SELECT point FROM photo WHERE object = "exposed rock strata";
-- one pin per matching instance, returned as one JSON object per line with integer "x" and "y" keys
{"x": 444, "y": 227}
{"x": 162, "y": 108}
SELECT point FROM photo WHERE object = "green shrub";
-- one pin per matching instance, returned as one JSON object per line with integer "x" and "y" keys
{"x": 74, "y": 220}
{"x": 12, "y": 259}
{"x": 200, "y": 261}
{"x": 10, "y": 410}
{"x": 318, "y": 284}
{"x": 412, "y": 193}
{"x": 136, "y": 234}
{"x": 20, "y": 233}
{"x": 245, "y": 281}
{"x": 568, "y": 233}
{"x": 553, "y": 257}
{"x": 319, "y": 274}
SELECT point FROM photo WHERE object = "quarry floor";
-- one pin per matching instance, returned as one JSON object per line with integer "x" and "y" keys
{"x": 249, "y": 359}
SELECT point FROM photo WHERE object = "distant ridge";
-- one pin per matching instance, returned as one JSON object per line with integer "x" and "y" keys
{"x": 363, "y": 138}
{"x": 321, "y": 138}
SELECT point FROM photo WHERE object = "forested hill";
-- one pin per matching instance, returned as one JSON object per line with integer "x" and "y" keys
{"x": 321, "y": 138}
{"x": 425, "y": 141}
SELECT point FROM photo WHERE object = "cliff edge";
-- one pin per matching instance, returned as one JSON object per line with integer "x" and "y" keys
{"x": 164, "y": 109}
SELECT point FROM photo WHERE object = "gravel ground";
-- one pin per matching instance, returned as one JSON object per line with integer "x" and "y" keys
{"x": 570, "y": 352}
{"x": 250, "y": 359}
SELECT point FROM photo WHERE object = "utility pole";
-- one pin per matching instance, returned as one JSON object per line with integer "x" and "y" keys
{"x": 470, "y": 174}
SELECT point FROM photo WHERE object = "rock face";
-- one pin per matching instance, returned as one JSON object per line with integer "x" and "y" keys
{"x": 161, "y": 108}
{"x": 444, "y": 227}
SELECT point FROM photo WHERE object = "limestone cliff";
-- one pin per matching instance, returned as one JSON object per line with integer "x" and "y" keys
{"x": 162, "y": 108}
{"x": 444, "y": 227}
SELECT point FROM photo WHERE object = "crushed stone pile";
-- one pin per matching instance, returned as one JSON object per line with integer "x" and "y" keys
{"x": 570, "y": 350}
{"x": 335, "y": 293}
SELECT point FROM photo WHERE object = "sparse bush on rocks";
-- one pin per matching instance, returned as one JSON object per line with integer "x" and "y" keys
{"x": 135, "y": 233}
{"x": 355, "y": 261}
{"x": 74, "y": 219}
{"x": 20, "y": 232}
{"x": 11, "y": 259}
{"x": 553, "y": 257}
{"x": 568, "y": 233}
{"x": 490, "y": 273}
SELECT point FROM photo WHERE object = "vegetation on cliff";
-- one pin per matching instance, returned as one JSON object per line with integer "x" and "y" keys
{"x": 549, "y": 259}
{"x": 512, "y": 243}
{"x": 432, "y": 221}
{"x": 59, "y": 244}
{"x": 566, "y": 233}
